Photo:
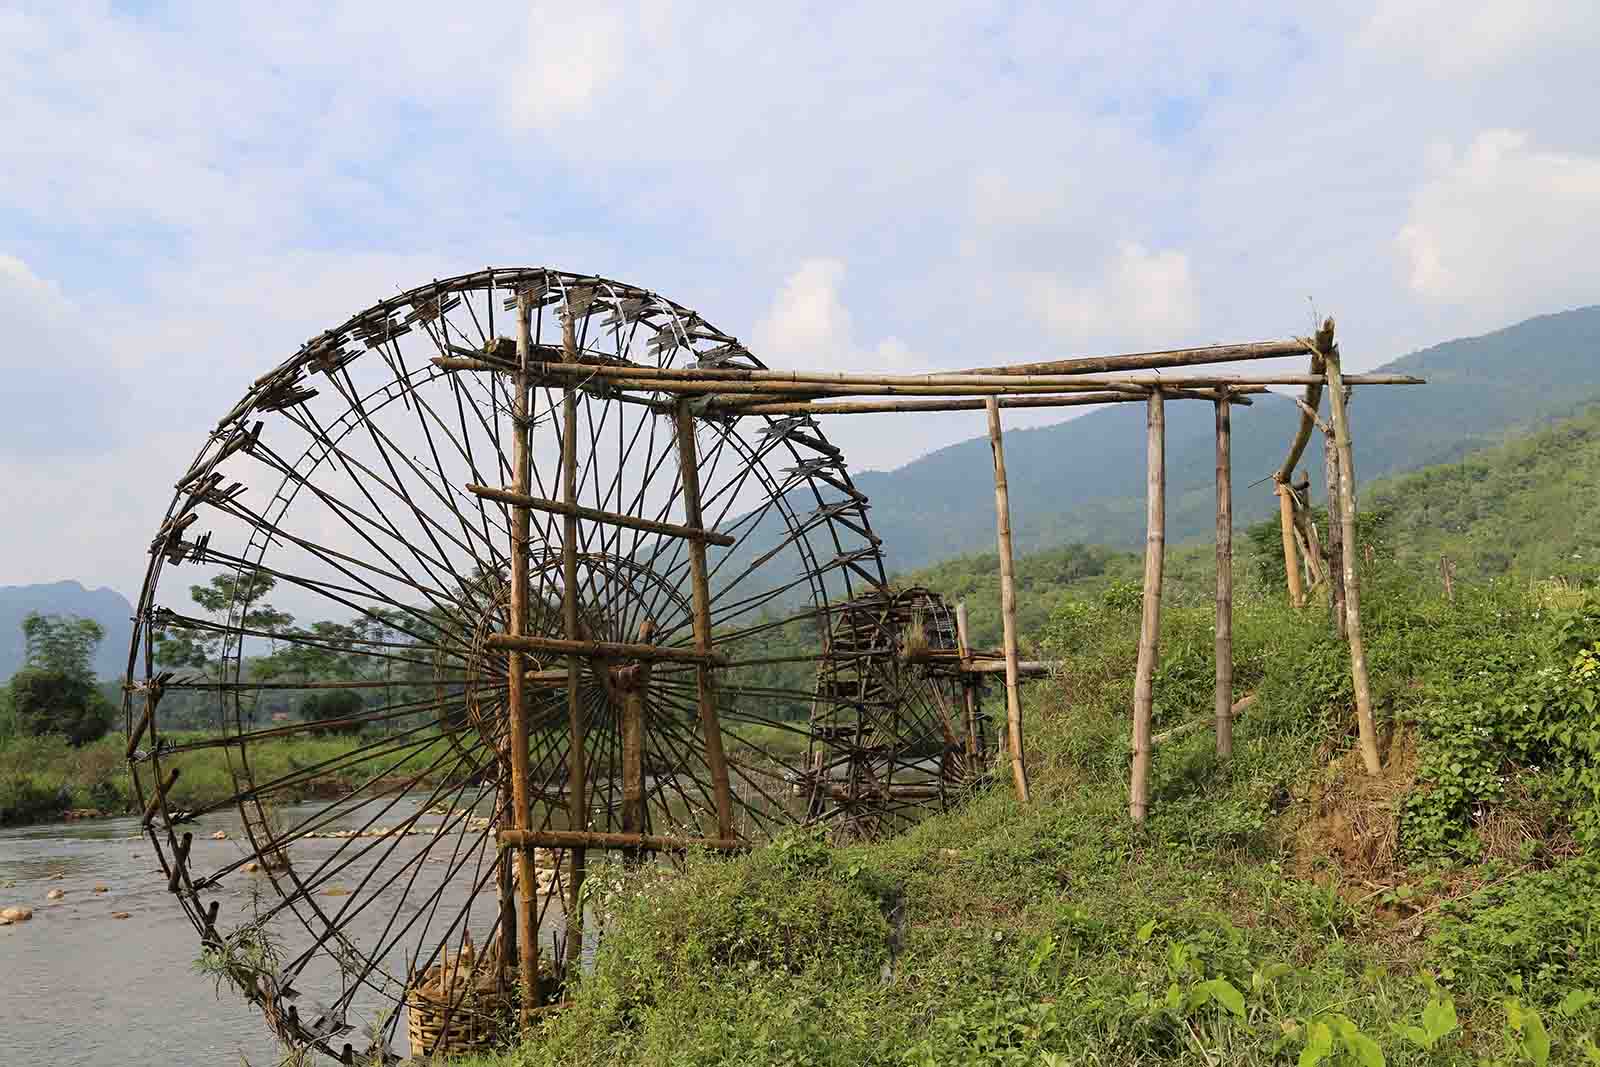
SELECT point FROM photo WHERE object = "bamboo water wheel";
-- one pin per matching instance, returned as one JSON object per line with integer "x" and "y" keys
{"x": 402, "y": 533}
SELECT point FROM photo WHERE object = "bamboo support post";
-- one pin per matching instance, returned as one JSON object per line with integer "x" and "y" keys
{"x": 1335, "y": 552}
{"x": 1352, "y": 586}
{"x": 633, "y": 712}
{"x": 577, "y": 770}
{"x": 969, "y": 696}
{"x": 1155, "y": 551}
{"x": 1291, "y": 558}
{"x": 1224, "y": 637}
{"x": 689, "y": 468}
{"x": 527, "y": 916}
{"x": 1008, "y": 606}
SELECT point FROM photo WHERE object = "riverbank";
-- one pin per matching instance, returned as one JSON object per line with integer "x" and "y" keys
{"x": 1278, "y": 907}
{"x": 45, "y": 779}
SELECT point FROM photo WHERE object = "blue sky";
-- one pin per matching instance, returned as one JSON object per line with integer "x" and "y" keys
{"x": 191, "y": 190}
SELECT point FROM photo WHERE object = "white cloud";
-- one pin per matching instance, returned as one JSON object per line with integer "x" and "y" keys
{"x": 808, "y": 327}
{"x": 1137, "y": 296}
{"x": 1454, "y": 39}
{"x": 1504, "y": 229}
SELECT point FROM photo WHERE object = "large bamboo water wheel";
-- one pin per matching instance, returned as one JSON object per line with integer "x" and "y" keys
{"x": 533, "y": 617}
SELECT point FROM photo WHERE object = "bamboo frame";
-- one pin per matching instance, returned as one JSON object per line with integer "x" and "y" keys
{"x": 577, "y": 769}
{"x": 1008, "y": 605}
{"x": 631, "y": 522}
{"x": 1224, "y": 636}
{"x": 1150, "y": 621}
{"x": 527, "y": 923}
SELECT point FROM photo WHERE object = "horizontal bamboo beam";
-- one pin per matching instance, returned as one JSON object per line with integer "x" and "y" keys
{"x": 557, "y": 507}
{"x": 868, "y": 407}
{"x": 596, "y": 839}
{"x": 559, "y": 646}
{"x": 1173, "y": 357}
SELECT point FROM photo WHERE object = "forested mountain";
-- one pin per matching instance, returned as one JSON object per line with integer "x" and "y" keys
{"x": 105, "y": 606}
{"x": 1083, "y": 481}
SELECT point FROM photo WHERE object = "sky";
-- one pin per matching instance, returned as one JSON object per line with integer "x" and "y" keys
{"x": 189, "y": 191}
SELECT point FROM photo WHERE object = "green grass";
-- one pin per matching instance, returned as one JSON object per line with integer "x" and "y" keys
{"x": 1234, "y": 928}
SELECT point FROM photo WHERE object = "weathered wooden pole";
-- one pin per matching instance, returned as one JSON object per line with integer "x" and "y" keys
{"x": 1352, "y": 586}
{"x": 1008, "y": 604}
{"x": 1224, "y": 638}
{"x": 577, "y": 769}
{"x": 689, "y": 468}
{"x": 969, "y": 696}
{"x": 1155, "y": 551}
{"x": 1330, "y": 457}
{"x": 1291, "y": 558}
{"x": 525, "y": 940}
{"x": 635, "y": 692}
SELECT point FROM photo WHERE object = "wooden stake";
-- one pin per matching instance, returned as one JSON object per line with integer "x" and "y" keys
{"x": 689, "y": 467}
{"x": 1224, "y": 650}
{"x": 633, "y": 709}
{"x": 1330, "y": 457}
{"x": 969, "y": 696}
{"x": 526, "y": 921}
{"x": 1352, "y": 586}
{"x": 1155, "y": 552}
{"x": 577, "y": 769}
{"x": 1291, "y": 558}
{"x": 1008, "y": 605}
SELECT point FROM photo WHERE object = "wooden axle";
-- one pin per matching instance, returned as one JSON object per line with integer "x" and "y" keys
{"x": 556, "y": 507}
{"x": 558, "y": 646}
{"x": 596, "y": 839}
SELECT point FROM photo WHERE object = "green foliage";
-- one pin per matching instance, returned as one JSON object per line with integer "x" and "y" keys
{"x": 329, "y": 704}
{"x": 46, "y": 701}
{"x": 61, "y": 645}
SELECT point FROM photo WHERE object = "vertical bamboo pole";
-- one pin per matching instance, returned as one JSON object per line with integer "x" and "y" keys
{"x": 969, "y": 699}
{"x": 526, "y": 922}
{"x": 1155, "y": 551}
{"x": 633, "y": 806}
{"x": 1291, "y": 558}
{"x": 689, "y": 466}
{"x": 1224, "y": 652}
{"x": 1352, "y": 587}
{"x": 1008, "y": 602}
{"x": 1330, "y": 458}
{"x": 577, "y": 769}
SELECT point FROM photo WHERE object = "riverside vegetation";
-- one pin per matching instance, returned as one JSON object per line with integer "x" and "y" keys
{"x": 1279, "y": 907}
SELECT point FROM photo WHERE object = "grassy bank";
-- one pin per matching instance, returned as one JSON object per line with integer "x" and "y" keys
{"x": 43, "y": 778}
{"x": 1279, "y": 908}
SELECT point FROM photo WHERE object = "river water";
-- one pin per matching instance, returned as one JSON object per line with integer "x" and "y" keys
{"x": 78, "y": 987}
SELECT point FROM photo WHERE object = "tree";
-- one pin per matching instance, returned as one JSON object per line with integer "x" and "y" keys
{"x": 333, "y": 704}
{"x": 55, "y": 693}
{"x": 232, "y": 602}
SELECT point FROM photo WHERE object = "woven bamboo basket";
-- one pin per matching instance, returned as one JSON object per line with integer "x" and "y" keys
{"x": 459, "y": 1005}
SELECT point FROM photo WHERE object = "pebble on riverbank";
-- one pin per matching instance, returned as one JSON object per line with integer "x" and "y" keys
{"x": 220, "y": 835}
{"x": 120, "y": 915}
{"x": 102, "y": 889}
{"x": 55, "y": 894}
{"x": 16, "y": 915}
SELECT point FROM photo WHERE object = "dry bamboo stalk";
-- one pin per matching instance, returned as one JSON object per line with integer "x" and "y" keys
{"x": 723, "y": 403}
{"x": 1352, "y": 587}
{"x": 936, "y": 385}
{"x": 1008, "y": 606}
{"x": 557, "y": 507}
{"x": 969, "y": 697}
{"x": 577, "y": 770}
{"x": 526, "y": 921}
{"x": 689, "y": 467}
{"x": 1291, "y": 558}
{"x": 1239, "y": 707}
{"x": 1308, "y": 406}
{"x": 1150, "y": 623}
{"x": 1176, "y": 357}
{"x": 1224, "y": 640}
{"x": 1330, "y": 456}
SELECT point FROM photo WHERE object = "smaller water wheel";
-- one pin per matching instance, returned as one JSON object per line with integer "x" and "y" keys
{"x": 894, "y": 726}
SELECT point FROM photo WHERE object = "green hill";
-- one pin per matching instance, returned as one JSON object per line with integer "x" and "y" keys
{"x": 1082, "y": 481}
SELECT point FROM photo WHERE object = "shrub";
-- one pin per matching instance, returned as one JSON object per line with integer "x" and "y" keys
{"x": 332, "y": 704}
{"x": 47, "y": 701}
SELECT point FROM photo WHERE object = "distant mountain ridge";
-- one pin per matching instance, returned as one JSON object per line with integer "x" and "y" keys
{"x": 1083, "y": 481}
{"x": 107, "y": 607}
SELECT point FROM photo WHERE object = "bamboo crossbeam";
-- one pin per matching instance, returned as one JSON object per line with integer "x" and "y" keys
{"x": 597, "y": 839}
{"x": 722, "y": 405}
{"x": 557, "y": 507}
{"x": 1175, "y": 357}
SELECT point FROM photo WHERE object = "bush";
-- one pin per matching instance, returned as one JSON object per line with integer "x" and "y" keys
{"x": 59, "y": 702}
{"x": 332, "y": 704}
